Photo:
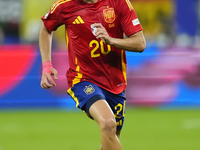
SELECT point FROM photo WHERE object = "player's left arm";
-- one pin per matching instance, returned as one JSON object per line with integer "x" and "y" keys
{"x": 135, "y": 42}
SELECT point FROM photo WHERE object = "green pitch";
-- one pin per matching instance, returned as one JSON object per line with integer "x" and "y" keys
{"x": 144, "y": 129}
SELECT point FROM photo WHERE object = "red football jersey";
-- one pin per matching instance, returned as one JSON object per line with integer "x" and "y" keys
{"x": 89, "y": 58}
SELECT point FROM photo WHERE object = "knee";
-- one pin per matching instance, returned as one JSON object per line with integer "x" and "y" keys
{"x": 108, "y": 126}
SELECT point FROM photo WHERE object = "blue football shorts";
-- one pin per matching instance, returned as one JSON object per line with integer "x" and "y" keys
{"x": 87, "y": 93}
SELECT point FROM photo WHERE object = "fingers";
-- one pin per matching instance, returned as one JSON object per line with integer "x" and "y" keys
{"x": 44, "y": 82}
{"x": 47, "y": 81}
{"x": 101, "y": 33}
{"x": 99, "y": 29}
{"x": 97, "y": 25}
{"x": 55, "y": 73}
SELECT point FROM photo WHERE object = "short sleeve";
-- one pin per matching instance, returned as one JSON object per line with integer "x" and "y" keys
{"x": 52, "y": 20}
{"x": 128, "y": 18}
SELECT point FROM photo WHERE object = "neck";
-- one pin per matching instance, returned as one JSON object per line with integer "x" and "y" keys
{"x": 90, "y": 1}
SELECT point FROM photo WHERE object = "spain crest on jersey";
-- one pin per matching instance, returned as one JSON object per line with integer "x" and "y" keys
{"x": 109, "y": 15}
{"x": 89, "y": 89}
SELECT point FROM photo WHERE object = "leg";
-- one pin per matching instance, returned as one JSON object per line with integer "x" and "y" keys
{"x": 105, "y": 119}
{"x": 118, "y": 135}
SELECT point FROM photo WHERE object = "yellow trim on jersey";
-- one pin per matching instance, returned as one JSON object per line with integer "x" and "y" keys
{"x": 67, "y": 38}
{"x": 123, "y": 65}
{"x": 73, "y": 96}
{"x": 57, "y": 3}
{"x": 129, "y": 4}
{"x": 77, "y": 79}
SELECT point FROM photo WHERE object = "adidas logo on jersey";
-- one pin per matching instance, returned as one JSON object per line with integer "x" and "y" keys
{"x": 78, "y": 20}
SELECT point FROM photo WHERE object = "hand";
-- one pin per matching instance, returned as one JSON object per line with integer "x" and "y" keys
{"x": 102, "y": 33}
{"x": 47, "y": 81}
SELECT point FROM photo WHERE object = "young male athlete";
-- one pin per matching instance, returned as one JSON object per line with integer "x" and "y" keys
{"x": 96, "y": 47}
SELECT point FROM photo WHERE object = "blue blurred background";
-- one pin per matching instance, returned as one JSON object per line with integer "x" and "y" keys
{"x": 165, "y": 75}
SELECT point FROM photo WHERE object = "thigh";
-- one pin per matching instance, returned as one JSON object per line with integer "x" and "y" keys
{"x": 101, "y": 112}
{"x": 117, "y": 104}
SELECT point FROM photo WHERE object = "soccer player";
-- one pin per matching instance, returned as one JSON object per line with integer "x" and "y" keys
{"x": 96, "y": 47}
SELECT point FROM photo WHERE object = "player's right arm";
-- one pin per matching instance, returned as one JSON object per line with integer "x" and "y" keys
{"x": 51, "y": 21}
{"x": 45, "y": 42}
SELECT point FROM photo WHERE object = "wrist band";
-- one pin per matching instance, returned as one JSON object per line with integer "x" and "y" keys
{"x": 46, "y": 67}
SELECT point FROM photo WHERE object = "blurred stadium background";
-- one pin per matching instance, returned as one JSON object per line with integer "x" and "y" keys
{"x": 163, "y": 92}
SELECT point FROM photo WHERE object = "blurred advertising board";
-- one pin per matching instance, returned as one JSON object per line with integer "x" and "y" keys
{"x": 156, "y": 78}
